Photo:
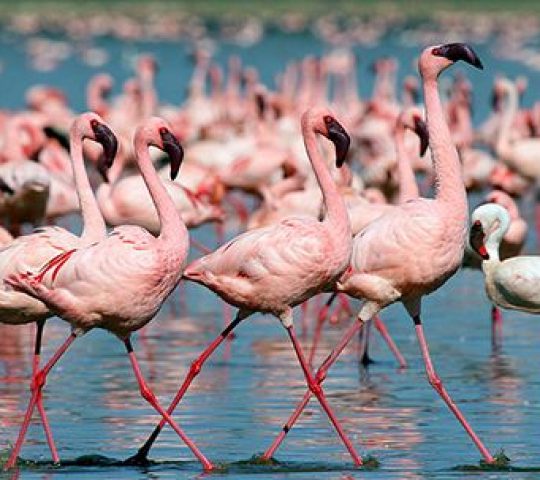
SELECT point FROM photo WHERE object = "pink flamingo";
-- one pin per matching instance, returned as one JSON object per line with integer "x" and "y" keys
{"x": 413, "y": 250}
{"x": 362, "y": 214}
{"x": 119, "y": 283}
{"x": 31, "y": 252}
{"x": 273, "y": 269}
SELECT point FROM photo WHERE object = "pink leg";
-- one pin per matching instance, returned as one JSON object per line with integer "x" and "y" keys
{"x": 39, "y": 400}
{"x": 142, "y": 455}
{"x": 319, "y": 377}
{"x": 227, "y": 318}
{"x": 199, "y": 246}
{"x": 496, "y": 327}
{"x": 240, "y": 207}
{"x": 316, "y": 389}
{"x": 344, "y": 306}
{"x": 318, "y": 328}
{"x": 38, "y": 381}
{"x": 381, "y": 327}
{"x": 304, "y": 319}
{"x": 437, "y": 384}
{"x": 149, "y": 396}
{"x": 220, "y": 234}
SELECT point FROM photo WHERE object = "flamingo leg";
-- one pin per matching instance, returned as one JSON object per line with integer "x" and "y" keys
{"x": 149, "y": 396}
{"x": 496, "y": 327}
{"x": 437, "y": 384}
{"x": 381, "y": 327}
{"x": 39, "y": 402}
{"x": 38, "y": 381}
{"x": 304, "y": 318}
{"x": 316, "y": 389}
{"x": 365, "y": 334}
{"x": 323, "y": 313}
{"x": 319, "y": 378}
{"x": 141, "y": 457}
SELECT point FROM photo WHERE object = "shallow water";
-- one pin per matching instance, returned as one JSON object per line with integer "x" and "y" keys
{"x": 240, "y": 401}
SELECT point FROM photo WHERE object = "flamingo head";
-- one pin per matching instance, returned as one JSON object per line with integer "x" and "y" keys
{"x": 323, "y": 121}
{"x": 490, "y": 222}
{"x": 412, "y": 119}
{"x": 434, "y": 60}
{"x": 105, "y": 83}
{"x": 91, "y": 126}
{"x": 158, "y": 133}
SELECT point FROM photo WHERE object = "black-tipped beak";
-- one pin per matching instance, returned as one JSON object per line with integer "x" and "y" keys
{"x": 476, "y": 240}
{"x": 420, "y": 128}
{"x": 494, "y": 100}
{"x": 458, "y": 51}
{"x": 61, "y": 138}
{"x": 339, "y": 137}
{"x": 5, "y": 188}
{"x": 261, "y": 104}
{"x": 107, "y": 138}
{"x": 174, "y": 150}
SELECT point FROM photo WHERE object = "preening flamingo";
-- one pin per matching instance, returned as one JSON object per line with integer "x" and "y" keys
{"x": 119, "y": 283}
{"x": 46, "y": 250}
{"x": 412, "y": 250}
{"x": 273, "y": 269}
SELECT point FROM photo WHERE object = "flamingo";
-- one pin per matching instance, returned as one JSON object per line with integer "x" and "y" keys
{"x": 273, "y": 269}
{"x": 31, "y": 252}
{"x": 510, "y": 282}
{"x": 412, "y": 250}
{"x": 119, "y": 282}
{"x": 363, "y": 213}
{"x": 512, "y": 244}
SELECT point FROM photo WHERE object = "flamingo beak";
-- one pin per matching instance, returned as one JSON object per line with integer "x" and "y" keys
{"x": 60, "y": 137}
{"x": 174, "y": 150}
{"x": 339, "y": 137}
{"x": 458, "y": 51}
{"x": 107, "y": 138}
{"x": 5, "y": 188}
{"x": 420, "y": 128}
{"x": 476, "y": 240}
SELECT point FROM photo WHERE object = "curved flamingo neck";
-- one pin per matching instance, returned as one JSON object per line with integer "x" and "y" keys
{"x": 449, "y": 187}
{"x": 408, "y": 188}
{"x": 336, "y": 212}
{"x": 507, "y": 118}
{"x": 13, "y": 148}
{"x": 94, "y": 227}
{"x": 95, "y": 99}
{"x": 173, "y": 232}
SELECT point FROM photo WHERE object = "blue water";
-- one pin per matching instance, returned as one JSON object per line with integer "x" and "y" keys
{"x": 239, "y": 403}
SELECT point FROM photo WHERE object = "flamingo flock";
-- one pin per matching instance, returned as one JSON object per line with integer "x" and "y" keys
{"x": 333, "y": 197}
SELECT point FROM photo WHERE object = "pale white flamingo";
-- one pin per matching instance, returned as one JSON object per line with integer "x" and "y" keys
{"x": 119, "y": 282}
{"x": 511, "y": 283}
{"x": 511, "y": 245}
{"x": 412, "y": 250}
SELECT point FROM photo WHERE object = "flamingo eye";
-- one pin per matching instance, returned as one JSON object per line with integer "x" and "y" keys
{"x": 477, "y": 223}
{"x": 328, "y": 119}
{"x": 163, "y": 131}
